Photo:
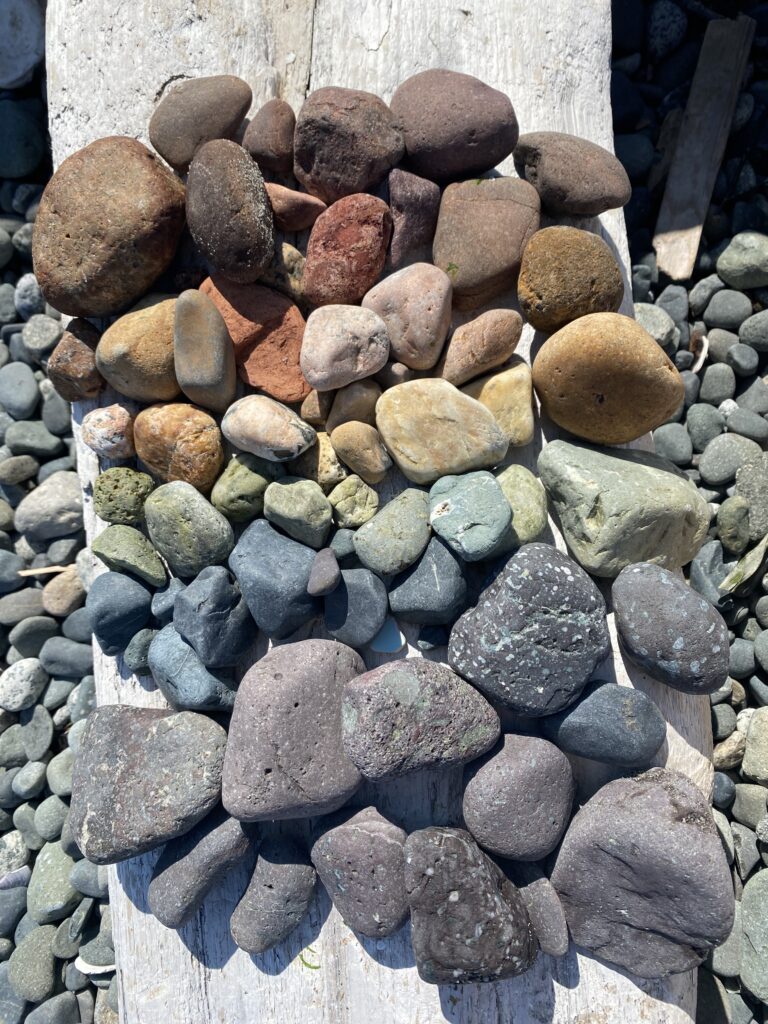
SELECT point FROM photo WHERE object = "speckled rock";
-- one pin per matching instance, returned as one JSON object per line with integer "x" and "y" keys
{"x": 135, "y": 354}
{"x": 50, "y": 895}
{"x": 124, "y": 549}
{"x": 269, "y": 136}
{"x": 203, "y": 355}
{"x": 179, "y": 442}
{"x": 724, "y": 456}
{"x": 415, "y": 305}
{"x": 108, "y": 431}
{"x": 508, "y": 395}
{"x": 353, "y": 502}
{"x": 21, "y": 684}
{"x": 395, "y": 537}
{"x": 342, "y": 344}
{"x": 264, "y": 427}
{"x": 53, "y": 509}
{"x": 119, "y": 495}
{"x": 32, "y": 967}
{"x": 186, "y": 529}
{"x": 72, "y": 364}
{"x": 480, "y": 345}
{"x": 239, "y": 492}
{"x": 744, "y": 262}
{"x": 528, "y": 501}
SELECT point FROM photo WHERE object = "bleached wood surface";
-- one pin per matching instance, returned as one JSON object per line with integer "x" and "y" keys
{"x": 107, "y": 65}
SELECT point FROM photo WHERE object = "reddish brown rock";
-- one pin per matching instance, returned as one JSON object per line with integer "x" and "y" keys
{"x": 269, "y": 137}
{"x": 72, "y": 364}
{"x": 135, "y": 355}
{"x": 346, "y": 250}
{"x": 292, "y": 210}
{"x": 414, "y": 203}
{"x": 485, "y": 342}
{"x": 267, "y": 330}
{"x": 108, "y": 225}
{"x": 179, "y": 442}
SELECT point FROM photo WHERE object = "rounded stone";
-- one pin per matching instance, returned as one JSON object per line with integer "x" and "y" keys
{"x": 433, "y": 590}
{"x": 325, "y": 575}
{"x": 359, "y": 446}
{"x": 19, "y": 394}
{"x": 264, "y": 427}
{"x": 135, "y": 354}
{"x": 119, "y": 495}
{"x": 239, "y": 492}
{"x": 355, "y": 611}
{"x": 32, "y": 967}
{"x": 119, "y": 607}
{"x": 300, "y": 509}
{"x": 471, "y": 514}
{"x": 23, "y": 45}
{"x": 203, "y": 354}
{"x": 397, "y": 535}
{"x": 53, "y": 509}
{"x": 21, "y": 684}
{"x": 343, "y": 344}
{"x": 182, "y": 678}
{"x": 292, "y": 210}
{"x": 186, "y": 529}
{"x": 108, "y": 431}
{"x": 124, "y": 549}
{"x": 480, "y": 345}
{"x": 724, "y": 456}
{"x": 672, "y": 441}
{"x": 744, "y": 261}
{"x": 353, "y": 502}
{"x": 269, "y": 136}
{"x": 727, "y": 309}
{"x": 179, "y": 442}
{"x": 72, "y": 364}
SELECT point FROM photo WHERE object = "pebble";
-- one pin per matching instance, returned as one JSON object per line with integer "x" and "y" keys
{"x": 471, "y": 514}
{"x": 62, "y": 657}
{"x": 21, "y": 684}
{"x": 353, "y": 502}
{"x": 528, "y": 501}
{"x": 14, "y": 853}
{"x": 36, "y": 731}
{"x": 50, "y": 895}
{"x": 718, "y": 384}
{"x": 508, "y": 395}
{"x": 124, "y": 549}
{"x": 61, "y": 1009}
{"x": 239, "y": 492}
{"x": 752, "y": 485}
{"x": 748, "y": 424}
{"x": 743, "y": 359}
{"x": 59, "y": 772}
{"x": 355, "y": 401}
{"x": 754, "y": 948}
{"x": 667, "y": 26}
{"x": 415, "y": 305}
{"x": 724, "y": 456}
{"x": 263, "y": 427}
{"x": 730, "y": 752}
{"x": 744, "y": 262}
{"x": 720, "y": 343}
{"x": 64, "y": 593}
{"x": 433, "y": 590}
{"x": 359, "y": 446}
{"x": 356, "y": 609}
{"x": 50, "y": 816}
{"x": 53, "y": 509}
{"x": 13, "y": 905}
{"x": 269, "y": 136}
{"x": 182, "y": 677}
{"x": 119, "y": 607}
{"x": 179, "y": 442}
{"x": 543, "y": 905}
{"x": 293, "y": 211}
{"x": 755, "y": 762}
{"x": 203, "y": 354}
{"x": 741, "y": 661}
{"x": 325, "y": 574}
{"x": 17, "y": 469}
{"x": 724, "y": 790}
{"x": 32, "y": 967}
{"x": 10, "y": 566}
{"x": 40, "y": 335}
{"x": 702, "y": 292}
{"x": 89, "y": 879}
{"x": 343, "y": 344}
{"x": 481, "y": 345}
{"x": 119, "y": 495}
{"x": 723, "y": 721}
{"x": 186, "y": 529}
{"x": 212, "y": 616}
{"x": 32, "y": 437}
{"x": 19, "y": 394}
{"x": 136, "y": 654}
{"x": 135, "y": 354}
{"x": 397, "y": 535}
{"x": 727, "y": 309}
{"x": 754, "y": 331}
{"x": 672, "y": 441}
{"x": 703, "y": 423}
{"x": 414, "y": 203}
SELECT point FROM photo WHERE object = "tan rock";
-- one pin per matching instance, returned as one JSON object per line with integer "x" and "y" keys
{"x": 260, "y": 425}
{"x": 64, "y": 593}
{"x": 109, "y": 432}
{"x": 356, "y": 401}
{"x": 135, "y": 355}
{"x": 316, "y": 406}
{"x": 319, "y": 463}
{"x": 292, "y": 210}
{"x": 359, "y": 446}
{"x": 286, "y": 273}
{"x": 395, "y": 373}
{"x": 476, "y": 347}
{"x": 604, "y": 378}
{"x": 509, "y": 396}
{"x": 353, "y": 502}
{"x": 179, "y": 442}
{"x": 730, "y": 752}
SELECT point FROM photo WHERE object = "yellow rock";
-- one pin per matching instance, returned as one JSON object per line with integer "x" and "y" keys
{"x": 508, "y": 394}
{"x": 135, "y": 355}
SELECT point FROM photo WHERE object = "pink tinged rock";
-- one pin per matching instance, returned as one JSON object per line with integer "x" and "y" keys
{"x": 342, "y": 344}
{"x": 292, "y": 210}
{"x": 267, "y": 428}
{"x": 414, "y": 203}
{"x": 203, "y": 353}
{"x": 109, "y": 432}
{"x": 480, "y": 345}
{"x": 269, "y": 137}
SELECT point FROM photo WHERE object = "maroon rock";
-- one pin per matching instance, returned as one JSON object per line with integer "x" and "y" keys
{"x": 414, "y": 203}
{"x": 269, "y": 137}
{"x": 72, "y": 364}
{"x": 292, "y": 210}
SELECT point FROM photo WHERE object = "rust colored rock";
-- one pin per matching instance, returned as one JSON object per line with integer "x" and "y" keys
{"x": 179, "y": 442}
{"x": 359, "y": 446}
{"x": 108, "y": 225}
{"x": 605, "y": 379}
{"x": 567, "y": 273}
{"x": 346, "y": 141}
{"x": 72, "y": 364}
{"x": 267, "y": 330}
{"x": 346, "y": 250}
{"x": 292, "y": 210}
{"x": 414, "y": 203}
{"x": 482, "y": 230}
{"x": 269, "y": 137}
{"x": 135, "y": 355}
{"x": 477, "y": 347}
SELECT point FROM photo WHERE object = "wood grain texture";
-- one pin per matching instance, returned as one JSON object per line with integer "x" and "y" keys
{"x": 106, "y": 68}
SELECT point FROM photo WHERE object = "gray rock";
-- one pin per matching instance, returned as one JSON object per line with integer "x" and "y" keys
{"x": 13, "y": 905}
{"x": 212, "y": 616}
{"x": 186, "y": 529}
{"x": 356, "y": 609}
{"x": 672, "y": 441}
{"x": 59, "y": 773}
{"x": 748, "y": 424}
{"x": 136, "y": 654}
{"x": 702, "y": 292}
{"x": 30, "y": 780}
{"x": 21, "y": 684}
{"x": 414, "y": 203}
{"x": 545, "y": 910}
{"x": 397, "y": 535}
{"x": 32, "y": 437}
{"x": 752, "y": 485}
{"x": 62, "y": 657}
{"x": 12, "y": 1007}
{"x": 119, "y": 607}
{"x": 720, "y": 343}
{"x": 754, "y": 950}
{"x": 754, "y": 331}
{"x": 741, "y": 659}
{"x": 164, "y": 599}
{"x": 50, "y": 896}
{"x": 657, "y": 322}
{"x": 745, "y": 851}
{"x": 89, "y": 879}
{"x": 32, "y": 967}
{"x": 727, "y": 309}
{"x": 749, "y": 803}
{"x": 718, "y": 383}
{"x": 60, "y": 1009}
{"x": 743, "y": 359}
{"x": 471, "y": 514}
{"x": 724, "y": 456}
{"x": 19, "y": 393}
{"x": 433, "y": 591}
{"x": 725, "y": 960}
{"x": 40, "y": 335}
{"x": 29, "y": 635}
{"x": 53, "y": 509}
{"x": 754, "y": 397}
{"x": 723, "y": 721}
{"x": 744, "y": 262}
{"x": 325, "y": 575}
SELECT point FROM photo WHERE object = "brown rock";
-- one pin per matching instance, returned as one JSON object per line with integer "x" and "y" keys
{"x": 269, "y": 137}
{"x": 476, "y": 347}
{"x": 605, "y": 379}
{"x": 572, "y": 175}
{"x": 346, "y": 250}
{"x": 414, "y": 203}
{"x": 415, "y": 305}
{"x": 203, "y": 354}
{"x": 107, "y": 227}
{"x": 64, "y": 593}
{"x": 357, "y": 401}
{"x": 482, "y": 230}
{"x": 72, "y": 364}
{"x": 346, "y": 140}
{"x": 179, "y": 442}
{"x": 109, "y": 432}
{"x": 267, "y": 330}
{"x": 135, "y": 355}
{"x": 292, "y": 210}
{"x": 320, "y": 463}
{"x": 316, "y": 406}
{"x": 359, "y": 446}
{"x": 567, "y": 273}
{"x": 508, "y": 394}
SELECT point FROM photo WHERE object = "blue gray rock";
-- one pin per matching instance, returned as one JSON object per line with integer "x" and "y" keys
{"x": 325, "y": 575}
{"x": 433, "y": 591}
{"x": 19, "y": 394}
{"x": 356, "y": 609}
{"x": 212, "y": 616}
{"x": 471, "y": 514}
{"x": 62, "y": 657}
{"x": 119, "y": 607}
{"x": 727, "y": 309}
{"x": 182, "y": 677}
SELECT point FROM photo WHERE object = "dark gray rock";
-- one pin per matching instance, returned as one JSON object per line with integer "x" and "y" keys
{"x": 727, "y": 309}
{"x": 724, "y": 456}
{"x": 77, "y": 626}
{"x": 89, "y": 879}
{"x": 325, "y": 575}
{"x": 355, "y": 611}
{"x": 29, "y": 635}
{"x": 19, "y": 393}
{"x": 748, "y": 424}
{"x": 707, "y": 571}
{"x": 212, "y": 616}
{"x": 183, "y": 679}
{"x": 136, "y": 654}
{"x": 545, "y": 910}
{"x": 13, "y": 1008}
{"x": 13, "y": 905}
{"x": 703, "y": 422}
{"x": 718, "y": 382}
{"x": 62, "y": 657}
{"x": 433, "y": 591}
{"x": 672, "y": 441}
{"x": 164, "y": 599}
{"x": 754, "y": 331}
{"x": 61, "y": 1009}
{"x": 723, "y": 790}
{"x": 119, "y": 607}
{"x": 741, "y": 659}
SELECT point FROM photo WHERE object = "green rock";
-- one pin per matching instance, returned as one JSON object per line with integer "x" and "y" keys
{"x": 471, "y": 514}
{"x": 397, "y": 535}
{"x": 239, "y": 492}
{"x": 119, "y": 495}
{"x": 124, "y": 549}
{"x": 32, "y": 966}
{"x": 528, "y": 500}
{"x": 733, "y": 525}
{"x": 353, "y": 502}
{"x": 186, "y": 529}
{"x": 754, "y": 949}
{"x": 50, "y": 897}
{"x": 300, "y": 508}
{"x": 619, "y": 506}
{"x": 744, "y": 263}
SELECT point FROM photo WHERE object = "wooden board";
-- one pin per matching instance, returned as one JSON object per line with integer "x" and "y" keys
{"x": 106, "y": 67}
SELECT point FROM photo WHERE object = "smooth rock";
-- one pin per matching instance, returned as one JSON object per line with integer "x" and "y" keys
{"x": 203, "y": 354}
{"x": 50, "y": 895}
{"x": 343, "y": 344}
{"x": 414, "y": 203}
{"x": 433, "y": 590}
{"x": 744, "y": 262}
{"x": 293, "y": 211}
{"x": 183, "y": 679}
{"x": 727, "y": 309}
{"x": 356, "y": 609}
{"x": 19, "y": 394}
{"x": 32, "y": 967}
{"x": 508, "y": 394}
{"x": 212, "y": 616}
{"x": 186, "y": 529}
{"x": 471, "y": 514}
{"x": 179, "y": 442}
{"x": 415, "y": 305}
{"x": 119, "y": 607}
{"x": 62, "y": 657}
{"x": 21, "y": 684}
{"x": 359, "y": 446}
{"x": 124, "y": 549}
{"x": 53, "y": 509}
{"x": 263, "y": 427}
{"x": 480, "y": 345}
{"x": 755, "y": 763}
{"x": 325, "y": 574}
{"x": 724, "y": 456}
{"x": 135, "y": 354}
{"x": 397, "y": 535}
{"x": 108, "y": 431}
{"x": 754, "y": 947}
{"x": 239, "y": 492}
{"x": 300, "y": 509}
{"x": 543, "y": 905}
{"x": 528, "y": 501}
{"x": 269, "y": 136}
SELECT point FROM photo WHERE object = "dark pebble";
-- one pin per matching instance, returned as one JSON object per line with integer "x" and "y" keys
{"x": 355, "y": 611}
{"x": 62, "y": 657}
{"x": 433, "y": 591}
{"x": 212, "y": 616}
{"x": 325, "y": 575}
{"x": 183, "y": 679}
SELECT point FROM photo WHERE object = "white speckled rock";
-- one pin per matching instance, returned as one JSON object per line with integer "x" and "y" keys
{"x": 21, "y": 684}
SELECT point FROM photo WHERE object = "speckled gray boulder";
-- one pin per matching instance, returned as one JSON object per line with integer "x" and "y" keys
{"x": 536, "y": 634}
{"x": 669, "y": 630}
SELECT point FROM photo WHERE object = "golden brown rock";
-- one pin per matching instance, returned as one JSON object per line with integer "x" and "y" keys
{"x": 508, "y": 394}
{"x": 135, "y": 355}
{"x": 72, "y": 364}
{"x": 603, "y": 378}
{"x": 359, "y": 446}
{"x": 319, "y": 463}
{"x": 475, "y": 348}
{"x": 179, "y": 442}
{"x": 356, "y": 401}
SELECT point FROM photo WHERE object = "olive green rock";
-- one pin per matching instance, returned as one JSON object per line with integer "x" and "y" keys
{"x": 239, "y": 492}
{"x": 353, "y": 502}
{"x": 528, "y": 500}
{"x": 32, "y": 966}
{"x": 395, "y": 537}
{"x": 50, "y": 897}
{"x": 733, "y": 524}
{"x": 186, "y": 529}
{"x": 124, "y": 549}
{"x": 119, "y": 495}
{"x": 300, "y": 509}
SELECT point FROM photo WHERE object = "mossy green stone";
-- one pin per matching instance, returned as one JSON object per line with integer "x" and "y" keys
{"x": 124, "y": 549}
{"x": 395, "y": 537}
{"x": 186, "y": 529}
{"x": 353, "y": 502}
{"x": 300, "y": 508}
{"x": 119, "y": 495}
{"x": 528, "y": 499}
{"x": 239, "y": 492}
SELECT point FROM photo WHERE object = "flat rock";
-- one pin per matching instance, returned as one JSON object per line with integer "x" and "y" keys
{"x": 135, "y": 354}
{"x": 480, "y": 345}
{"x": 292, "y": 210}
{"x": 471, "y": 514}
{"x": 433, "y": 590}
{"x": 50, "y": 895}
{"x": 182, "y": 678}
{"x": 397, "y": 535}
{"x": 124, "y": 549}
{"x": 119, "y": 607}
{"x": 343, "y": 344}
{"x": 415, "y": 305}
{"x": 179, "y": 442}
{"x": 264, "y": 427}
{"x": 414, "y": 203}
{"x": 355, "y": 610}
{"x": 212, "y": 616}
{"x": 186, "y": 529}
{"x": 269, "y": 136}
{"x": 203, "y": 354}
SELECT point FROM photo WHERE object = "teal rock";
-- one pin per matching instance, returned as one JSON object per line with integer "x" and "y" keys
{"x": 744, "y": 263}
{"x": 396, "y": 535}
{"x": 470, "y": 513}
{"x": 300, "y": 509}
{"x": 186, "y": 529}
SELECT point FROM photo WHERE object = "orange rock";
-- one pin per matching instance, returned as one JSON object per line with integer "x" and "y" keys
{"x": 179, "y": 442}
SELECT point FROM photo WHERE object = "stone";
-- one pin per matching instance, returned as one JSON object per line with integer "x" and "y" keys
{"x": 19, "y": 394}
{"x": 203, "y": 354}
{"x": 284, "y": 756}
{"x": 672, "y": 441}
{"x": 50, "y": 895}
{"x": 64, "y": 593}
{"x": 186, "y": 529}
{"x": 414, "y": 714}
{"x": 361, "y": 862}
{"x": 397, "y": 535}
{"x": 343, "y": 344}
{"x": 89, "y": 879}
{"x": 543, "y": 614}
{"x": 453, "y": 124}
{"x": 239, "y": 492}
{"x": 32, "y": 437}
{"x": 164, "y": 599}
{"x": 649, "y": 511}
{"x": 286, "y": 272}
{"x": 266, "y": 329}
{"x": 300, "y": 509}
{"x": 273, "y": 573}
{"x": 746, "y": 854}
{"x": 119, "y": 607}
{"x": 658, "y": 324}
{"x": 355, "y": 401}
{"x": 703, "y": 423}
{"x": 11, "y": 565}
{"x": 53, "y": 509}
{"x": 179, "y": 442}
{"x": 264, "y": 427}
{"x": 728, "y": 310}
{"x": 730, "y": 752}
{"x": 124, "y": 549}
{"x": 316, "y": 407}
{"x": 107, "y": 226}
{"x": 353, "y": 502}
{"x": 62, "y": 657}
{"x": 136, "y": 654}
{"x": 143, "y": 776}
{"x": 356, "y": 609}
{"x": 346, "y": 250}
{"x": 517, "y": 801}
{"x": 14, "y": 853}
{"x": 183, "y": 679}
{"x": 469, "y": 437}
{"x": 40, "y": 334}
{"x": 573, "y": 176}
{"x": 606, "y": 357}
{"x": 23, "y": 48}
{"x": 415, "y": 305}
{"x": 482, "y": 229}
{"x": 36, "y": 732}
{"x": 325, "y": 574}
{"x": 752, "y": 486}
{"x": 319, "y": 464}
{"x": 744, "y": 262}
{"x": 108, "y": 431}
{"x": 60, "y": 1009}
{"x": 292, "y": 210}
{"x": 754, "y": 947}
{"x": 359, "y": 446}
{"x": 508, "y": 395}
{"x": 749, "y": 802}
{"x": 545, "y": 911}
{"x": 197, "y": 111}
{"x": 748, "y": 424}
{"x": 32, "y": 967}
{"x": 471, "y": 514}
{"x": 755, "y": 762}
{"x": 468, "y": 921}
{"x": 13, "y": 906}
{"x": 480, "y": 345}
{"x": 278, "y": 896}
{"x": 119, "y": 495}
{"x": 528, "y": 501}
{"x": 433, "y": 591}
{"x": 753, "y": 331}
{"x": 21, "y": 684}
{"x": 135, "y": 354}
{"x": 718, "y": 384}
{"x": 617, "y": 725}
{"x": 724, "y": 456}
{"x": 659, "y": 828}
{"x": 190, "y": 866}
{"x": 17, "y": 469}
{"x": 269, "y": 136}
{"x": 414, "y": 203}
{"x": 212, "y": 616}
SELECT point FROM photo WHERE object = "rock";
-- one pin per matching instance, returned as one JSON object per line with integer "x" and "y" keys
{"x": 753, "y": 331}
{"x": 359, "y": 446}
{"x": 409, "y": 715}
{"x": 108, "y": 431}
{"x": 269, "y": 136}
{"x": 724, "y": 456}
{"x": 273, "y": 573}
{"x": 649, "y": 511}
{"x": 60, "y": 1009}
{"x": 345, "y": 142}
{"x": 13, "y": 906}
{"x": 20, "y": 605}
{"x": 353, "y": 502}
{"x": 266, "y": 329}
{"x": 480, "y": 345}
{"x": 179, "y": 442}
{"x": 51, "y": 896}
{"x": 62, "y": 657}
{"x": 672, "y": 441}
{"x": 143, "y": 776}
{"x": 203, "y": 355}
{"x": 53, "y": 509}
{"x": 320, "y": 464}
{"x": 727, "y": 309}
{"x": 19, "y": 394}
{"x": 21, "y": 684}
{"x": 300, "y": 508}
{"x": 469, "y": 437}
{"x": 119, "y": 495}
{"x": 72, "y": 364}
{"x": 186, "y": 529}
{"x": 659, "y": 829}
{"x": 270, "y": 770}
{"x": 190, "y": 866}
{"x": 475, "y": 216}
{"x": 667, "y": 629}
{"x": 482, "y": 933}
{"x": 356, "y": 609}
{"x": 471, "y": 514}
{"x": 183, "y": 679}
{"x": 433, "y": 590}
{"x": 567, "y": 273}
{"x": 164, "y": 599}
{"x": 415, "y": 305}
{"x": 196, "y": 111}
{"x": 667, "y": 25}
{"x": 124, "y": 549}
{"x": 39, "y": 335}
{"x": 414, "y": 203}
{"x": 277, "y": 898}
{"x": 517, "y": 801}
{"x": 744, "y": 262}
{"x": 544, "y": 615}
{"x": 32, "y": 437}
{"x": 730, "y": 752}
{"x": 135, "y": 354}
{"x": 528, "y": 501}
{"x": 22, "y": 50}
{"x": 346, "y": 250}
{"x": 397, "y": 535}
{"x": 752, "y": 486}
{"x": 725, "y": 960}
{"x": 107, "y": 227}
{"x": 119, "y": 607}
{"x": 703, "y": 422}
{"x": 543, "y": 905}
{"x": 325, "y": 575}
{"x": 717, "y": 384}
{"x": 755, "y": 936}
{"x": 316, "y": 407}
{"x": 453, "y": 124}
{"x": 755, "y": 763}
{"x": 29, "y": 635}
{"x": 64, "y": 593}
{"x": 136, "y": 654}
{"x": 658, "y": 323}
{"x": 239, "y": 492}
{"x": 293, "y": 211}
{"x": 89, "y": 879}
{"x": 573, "y": 176}
{"x": 343, "y": 344}
{"x": 264, "y": 427}
{"x": 32, "y": 967}
{"x": 10, "y": 566}
{"x": 361, "y": 863}
{"x": 212, "y": 616}
{"x": 609, "y": 723}
{"x": 14, "y": 853}
{"x": 508, "y": 395}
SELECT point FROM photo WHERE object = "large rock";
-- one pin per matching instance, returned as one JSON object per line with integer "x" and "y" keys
{"x": 186, "y": 529}
{"x": 135, "y": 355}
{"x": 619, "y": 507}
{"x": 179, "y": 442}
